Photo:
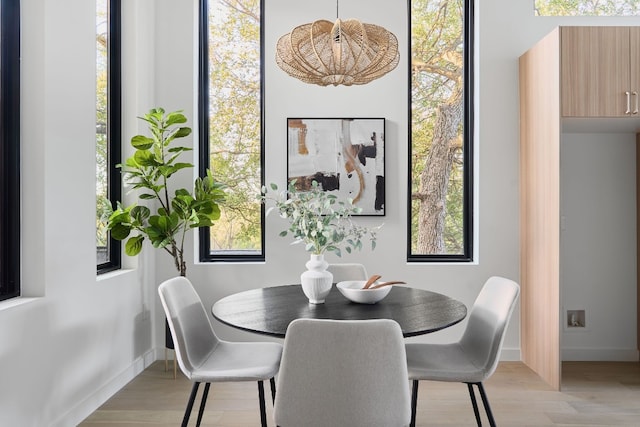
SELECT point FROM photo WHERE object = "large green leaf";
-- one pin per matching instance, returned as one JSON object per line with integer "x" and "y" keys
{"x": 141, "y": 142}
{"x": 120, "y": 231}
{"x": 162, "y": 243}
{"x": 155, "y": 114}
{"x": 145, "y": 158}
{"x": 131, "y": 162}
{"x": 201, "y": 222}
{"x": 175, "y": 117}
{"x": 173, "y": 157}
{"x": 177, "y": 133}
{"x": 179, "y": 149}
{"x": 213, "y": 212}
{"x": 140, "y": 214}
{"x": 154, "y": 233}
{"x": 174, "y": 220}
{"x": 167, "y": 171}
{"x": 160, "y": 223}
{"x": 134, "y": 245}
{"x": 120, "y": 216}
{"x": 182, "y": 132}
{"x": 181, "y": 192}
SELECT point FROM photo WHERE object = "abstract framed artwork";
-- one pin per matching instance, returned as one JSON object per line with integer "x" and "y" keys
{"x": 344, "y": 155}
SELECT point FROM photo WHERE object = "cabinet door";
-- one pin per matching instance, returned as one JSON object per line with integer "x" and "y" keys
{"x": 635, "y": 70}
{"x": 595, "y": 71}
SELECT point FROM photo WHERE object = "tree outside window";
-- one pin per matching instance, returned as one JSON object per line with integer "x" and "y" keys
{"x": 440, "y": 156}
{"x": 232, "y": 139}
{"x": 107, "y": 129}
{"x": 102, "y": 170}
{"x": 587, "y": 7}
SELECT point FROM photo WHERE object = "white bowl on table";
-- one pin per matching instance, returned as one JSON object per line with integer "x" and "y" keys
{"x": 352, "y": 290}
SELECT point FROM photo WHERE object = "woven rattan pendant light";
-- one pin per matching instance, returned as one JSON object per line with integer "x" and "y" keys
{"x": 341, "y": 53}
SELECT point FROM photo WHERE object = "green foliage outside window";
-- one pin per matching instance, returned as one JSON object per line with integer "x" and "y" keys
{"x": 587, "y": 7}
{"x": 235, "y": 120}
{"x": 103, "y": 206}
{"x": 437, "y": 118}
{"x": 437, "y": 139}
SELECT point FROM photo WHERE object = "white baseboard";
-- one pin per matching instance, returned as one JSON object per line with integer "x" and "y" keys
{"x": 581, "y": 355}
{"x": 92, "y": 402}
{"x": 599, "y": 355}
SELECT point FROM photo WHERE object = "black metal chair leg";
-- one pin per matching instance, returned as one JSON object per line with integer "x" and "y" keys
{"x": 263, "y": 409}
{"x": 192, "y": 398}
{"x": 485, "y": 402}
{"x": 205, "y": 393}
{"x": 414, "y": 402}
{"x": 272, "y": 381}
{"x": 476, "y": 412}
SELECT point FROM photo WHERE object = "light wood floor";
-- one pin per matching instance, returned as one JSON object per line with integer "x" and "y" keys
{"x": 593, "y": 394}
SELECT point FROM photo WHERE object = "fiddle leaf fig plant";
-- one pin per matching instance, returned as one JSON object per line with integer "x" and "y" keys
{"x": 149, "y": 170}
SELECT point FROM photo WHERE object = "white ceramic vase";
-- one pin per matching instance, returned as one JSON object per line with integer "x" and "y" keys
{"x": 316, "y": 281}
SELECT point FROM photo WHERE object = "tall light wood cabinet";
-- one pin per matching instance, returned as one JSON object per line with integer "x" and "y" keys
{"x": 540, "y": 208}
{"x": 572, "y": 72}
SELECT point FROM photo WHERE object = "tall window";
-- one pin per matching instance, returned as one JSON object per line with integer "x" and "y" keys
{"x": 108, "y": 180}
{"x": 441, "y": 120}
{"x": 9, "y": 149}
{"x": 587, "y": 7}
{"x": 230, "y": 117}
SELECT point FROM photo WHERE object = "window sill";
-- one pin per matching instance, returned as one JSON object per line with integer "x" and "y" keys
{"x": 113, "y": 274}
{"x": 17, "y": 302}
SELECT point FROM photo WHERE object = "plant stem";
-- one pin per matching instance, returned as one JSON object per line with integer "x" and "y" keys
{"x": 164, "y": 178}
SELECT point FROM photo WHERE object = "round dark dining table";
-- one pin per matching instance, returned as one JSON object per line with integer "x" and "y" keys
{"x": 270, "y": 310}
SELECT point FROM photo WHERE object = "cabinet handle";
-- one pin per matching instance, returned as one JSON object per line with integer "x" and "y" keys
{"x": 628, "y": 102}
{"x": 636, "y": 95}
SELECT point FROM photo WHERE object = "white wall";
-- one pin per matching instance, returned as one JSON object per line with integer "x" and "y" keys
{"x": 80, "y": 338}
{"x": 64, "y": 352}
{"x": 598, "y": 245}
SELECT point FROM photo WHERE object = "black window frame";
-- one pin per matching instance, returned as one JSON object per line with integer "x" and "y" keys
{"x": 114, "y": 125}
{"x": 468, "y": 145}
{"x": 203, "y": 138}
{"x": 10, "y": 247}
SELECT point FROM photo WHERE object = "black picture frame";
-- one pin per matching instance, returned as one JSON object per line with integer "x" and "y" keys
{"x": 345, "y": 156}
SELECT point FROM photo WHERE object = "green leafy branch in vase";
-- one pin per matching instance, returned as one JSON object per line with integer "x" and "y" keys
{"x": 319, "y": 219}
{"x": 150, "y": 169}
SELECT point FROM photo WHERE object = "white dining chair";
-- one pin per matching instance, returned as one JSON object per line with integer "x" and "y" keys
{"x": 347, "y": 271}
{"x": 475, "y": 356}
{"x": 203, "y": 357}
{"x": 343, "y": 373}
